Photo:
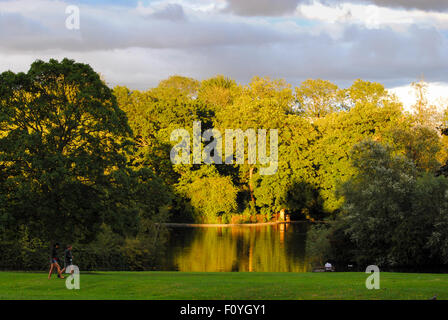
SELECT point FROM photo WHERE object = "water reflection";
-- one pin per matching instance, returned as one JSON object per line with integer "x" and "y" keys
{"x": 273, "y": 248}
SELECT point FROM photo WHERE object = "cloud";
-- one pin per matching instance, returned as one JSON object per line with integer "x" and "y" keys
{"x": 15, "y": 25}
{"x": 173, "y": 12}
{"x": 162, "y": 11}
{"x": 437, "y": 95}
{"x": 142, "y": 44}
{"x": 377, "y": 55}
{"x": 288, "y": 7}
{"x": 427, "y": 5}
{"x": 262, "y": 7}
{"x": 159, "y": 27}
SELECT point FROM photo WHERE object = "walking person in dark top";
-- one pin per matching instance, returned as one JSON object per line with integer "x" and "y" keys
{"x": 68, "y": 258}
{"x": 54, "y": 262}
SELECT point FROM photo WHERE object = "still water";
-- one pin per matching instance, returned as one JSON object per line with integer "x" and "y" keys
{"x": 262, "y": 248}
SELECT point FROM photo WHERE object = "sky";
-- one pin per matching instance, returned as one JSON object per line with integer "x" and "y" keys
{"x": 139, "y": 43}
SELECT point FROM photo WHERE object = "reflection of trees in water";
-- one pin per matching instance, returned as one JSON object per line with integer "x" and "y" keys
{"x": 257, "y": 248}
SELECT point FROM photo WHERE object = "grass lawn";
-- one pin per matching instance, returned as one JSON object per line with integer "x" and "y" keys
{"x": 179, "y": 285}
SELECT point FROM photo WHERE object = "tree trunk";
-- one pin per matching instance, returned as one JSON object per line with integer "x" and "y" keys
{"x": 251, "y": 187}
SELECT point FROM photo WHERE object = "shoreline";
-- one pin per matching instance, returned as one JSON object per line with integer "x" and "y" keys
{"x": 211, "y": 225}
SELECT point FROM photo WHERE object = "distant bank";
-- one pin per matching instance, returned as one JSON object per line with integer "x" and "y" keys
{"x": 209, "y": 225}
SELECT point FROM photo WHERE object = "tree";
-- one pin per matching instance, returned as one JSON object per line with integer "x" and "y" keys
{"x": 424, "y": 113}
{"x": 64, "y": 150}
{"x": 363, "y": 93}
{"x": 217, "y": 92}
{"x": 211, "y": 195}
{"x": 421, "y": 144}
{"x": 438, "y": 240}
{"x": 263, "y": 104}
{"x": 390, "y": 210}
{"x": 293, "y": 188}
{"x": 187, "y": 86}
{"x": 374, "y": 114}
{"x": 318, "y": 98}
{"x": 153, "y": 115}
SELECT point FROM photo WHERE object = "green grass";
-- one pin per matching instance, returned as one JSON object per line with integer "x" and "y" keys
{"x": 179, "y": 285}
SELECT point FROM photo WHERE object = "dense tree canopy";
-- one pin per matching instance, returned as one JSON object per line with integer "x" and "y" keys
{"x": 318, "y": 124}
{"x": 65, "y": 148}
{"x": 392, "y": 214}
{"x": 81, "y": 160}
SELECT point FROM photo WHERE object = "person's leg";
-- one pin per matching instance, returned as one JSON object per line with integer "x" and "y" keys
{"x": 59, "y": 270}
{"x": 51, "y": 270}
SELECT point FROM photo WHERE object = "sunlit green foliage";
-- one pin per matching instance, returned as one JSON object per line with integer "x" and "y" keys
{"x": 211, "y": 195}
{"x": 89, "y": 163}
{"x": 318, "y": 126}
{"x": 318, "y": 98}
{"x": 393, "y": 215}
{"x": 65, "y": 157}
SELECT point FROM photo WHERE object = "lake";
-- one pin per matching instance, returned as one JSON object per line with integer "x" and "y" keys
{"x": 256, "y": 248}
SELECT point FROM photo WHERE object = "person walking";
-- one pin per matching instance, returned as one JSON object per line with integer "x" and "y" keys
{"x": 54, "y": 262}
{"x": 68, "y": 259}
